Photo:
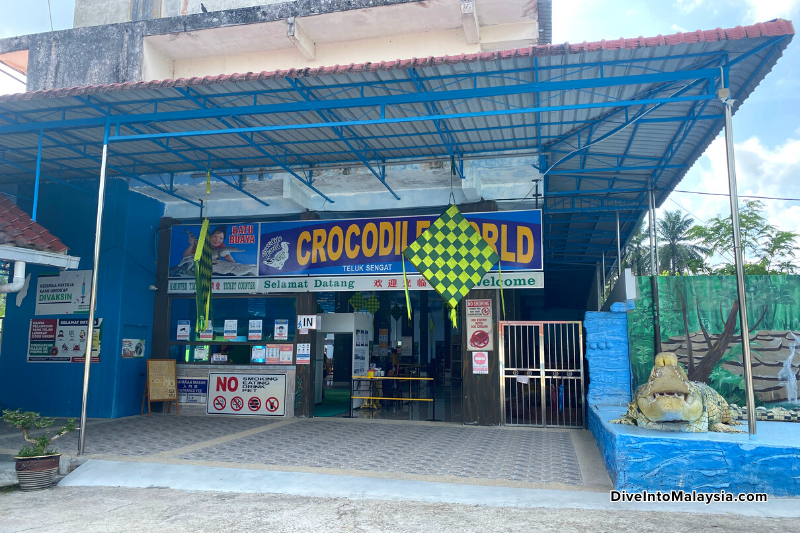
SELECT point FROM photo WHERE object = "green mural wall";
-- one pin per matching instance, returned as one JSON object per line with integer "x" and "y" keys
{"x": 699, "y": 321}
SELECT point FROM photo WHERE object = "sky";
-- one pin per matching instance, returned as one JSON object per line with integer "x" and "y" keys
{"x": 766, "y": 128}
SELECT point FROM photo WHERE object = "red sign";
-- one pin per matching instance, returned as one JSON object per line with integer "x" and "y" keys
{"x": 479, "y": 325}
{"x": 272, "y": 405}
{"x": 237, "y": 403}
{"x": 43, "y": 329}
{"x": 254, "y": 404}
{"x": 480, "y": 363}
{"x": 219, "y": 403}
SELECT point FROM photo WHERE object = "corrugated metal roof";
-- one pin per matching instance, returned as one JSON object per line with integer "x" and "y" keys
{"x": 613, "y": 118}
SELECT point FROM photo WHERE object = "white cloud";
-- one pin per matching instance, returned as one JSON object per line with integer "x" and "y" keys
{"x": 675, "y": 27}
{"x": 687, "y": 6}
{"x": 760, "y": 171}
{"x": 763, "y": 10}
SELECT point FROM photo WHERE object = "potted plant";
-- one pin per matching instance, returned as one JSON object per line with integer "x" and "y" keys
{"x": 37, "y": 465}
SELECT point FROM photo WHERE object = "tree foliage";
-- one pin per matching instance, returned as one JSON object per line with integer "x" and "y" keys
{"x": 678, "y": 254}
{"x": 27, "y": 421}
{"x": 767, "y": 249}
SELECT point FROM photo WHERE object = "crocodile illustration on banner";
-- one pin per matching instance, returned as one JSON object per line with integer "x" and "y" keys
{"x": 670, "y": 402}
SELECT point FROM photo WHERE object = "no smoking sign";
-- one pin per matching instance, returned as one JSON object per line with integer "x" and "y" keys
{"x": 263, "y": 394}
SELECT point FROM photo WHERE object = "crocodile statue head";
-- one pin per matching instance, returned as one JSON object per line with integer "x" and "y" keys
{"x": 669, "y": 396}
{"x": 670, "y": 402}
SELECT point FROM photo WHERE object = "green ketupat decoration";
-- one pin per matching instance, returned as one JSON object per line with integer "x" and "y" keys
{"x": 373, "y": 304}
{"x": 452, "y": 256}
{"x": 202, "y": 274}
{"x": 358, "y": 302}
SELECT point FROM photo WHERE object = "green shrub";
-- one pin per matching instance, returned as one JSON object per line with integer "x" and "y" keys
{"x": 28, "y": 420}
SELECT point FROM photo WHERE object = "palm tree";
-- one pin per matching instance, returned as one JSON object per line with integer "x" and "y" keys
{"x": 678, "y": 254}
{"x": 637, "y": 253}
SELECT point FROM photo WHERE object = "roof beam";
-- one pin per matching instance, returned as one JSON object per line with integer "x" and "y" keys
{"x": 469, "y": 21}
{"x": 300, "y": 39}
{"x": 361, "y": 150}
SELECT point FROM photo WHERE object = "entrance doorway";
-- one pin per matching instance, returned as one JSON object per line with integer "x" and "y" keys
{"x": 542, "y": 374}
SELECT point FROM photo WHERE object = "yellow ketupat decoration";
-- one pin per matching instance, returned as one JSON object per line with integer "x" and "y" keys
{"x": 452, "y": 256}
{"x": 203, "y": 272}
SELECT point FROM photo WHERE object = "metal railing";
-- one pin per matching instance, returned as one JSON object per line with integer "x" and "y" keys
{"x": 541, "y": 368}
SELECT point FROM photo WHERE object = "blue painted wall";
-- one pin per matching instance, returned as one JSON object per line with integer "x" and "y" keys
{"x": 607, "y": 356}
{"x": 127, "y": 269}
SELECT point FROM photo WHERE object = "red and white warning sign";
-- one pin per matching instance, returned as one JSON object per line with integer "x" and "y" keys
{"x": 263, "y": 394}
{"x": 479, "y": 325}
{"x": 480, "y": 363}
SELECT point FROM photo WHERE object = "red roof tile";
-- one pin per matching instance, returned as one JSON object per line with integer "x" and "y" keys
{"x": 772, "y": 28}
{"x": 17, "y": 229}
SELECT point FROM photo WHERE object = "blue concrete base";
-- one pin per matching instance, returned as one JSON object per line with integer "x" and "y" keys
{"x": 644, "y": 459}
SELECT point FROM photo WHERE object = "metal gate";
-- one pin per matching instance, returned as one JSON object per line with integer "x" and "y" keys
{"x": 541, "y": 368}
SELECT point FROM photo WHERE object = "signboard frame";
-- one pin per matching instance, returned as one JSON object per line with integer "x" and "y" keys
{"x": 172, "y": 371}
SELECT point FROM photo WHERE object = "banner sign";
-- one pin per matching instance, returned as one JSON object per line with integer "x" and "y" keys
{"x": 63, "y": 293}
{"x": 331, "y": 255}
{"x": 246, "y": 394}
{"x": 511, "y": 280}
{"x": 62, "y": 340}
{"x": 480, "y": 335}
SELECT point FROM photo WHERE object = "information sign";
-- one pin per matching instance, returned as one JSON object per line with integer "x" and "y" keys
{"x": 161, "y": 380}
{"x": 258, "y": 354}
{"x": 479, "y": 325}
{"x": 62, "y": 340}
{"x": 480, "y": 363}
{"x": 286, "y": 352}
{"x": 63, "y": 293}
{"x": 304, "y": 353}
{"x": 306, "y": 321}
{"x": 281, "y": 330}
{"x": 254, "y": 330}
{"x": 262, "y": 394}
{"x": 230, "y": 329}
{"x": 184, "y": 328}
{"x": 192, "y": 390}
{"x": 132, "y": 348}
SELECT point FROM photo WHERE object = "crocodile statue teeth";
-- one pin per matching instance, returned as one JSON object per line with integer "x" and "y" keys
{"x": 670, "y": 402}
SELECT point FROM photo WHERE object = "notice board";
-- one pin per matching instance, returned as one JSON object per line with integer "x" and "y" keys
{"x": 162, "y": 380}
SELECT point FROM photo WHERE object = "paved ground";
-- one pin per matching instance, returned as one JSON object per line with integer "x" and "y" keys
{"x": 109, "y": 509}
{"x": 378, "y": 448}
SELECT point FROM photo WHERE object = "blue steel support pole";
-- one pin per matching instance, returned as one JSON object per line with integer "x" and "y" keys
{"x": 93, "y": 292}
{"x": 38, "y": 173}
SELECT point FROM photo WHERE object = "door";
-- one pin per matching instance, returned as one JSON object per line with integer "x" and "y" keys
{"x": 541, "y": 368}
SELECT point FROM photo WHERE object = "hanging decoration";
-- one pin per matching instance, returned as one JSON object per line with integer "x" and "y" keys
{"x": 202, "y": 273}
{"x": 357, "y": 302}
{"x": 397, "y": 312}
{"x": 452, "y": 256}
{"x": 373, "y": 304}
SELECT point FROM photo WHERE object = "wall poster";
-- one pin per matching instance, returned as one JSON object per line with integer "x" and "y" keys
{"x": 480, "y": 334}
{"x": 63, "y": 293}
{"x": 62, "y": 340}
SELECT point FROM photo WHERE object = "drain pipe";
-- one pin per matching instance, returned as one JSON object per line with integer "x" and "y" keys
{"x": 18, "y": 281}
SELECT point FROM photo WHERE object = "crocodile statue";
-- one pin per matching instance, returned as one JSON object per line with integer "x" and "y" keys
{"x": 670, "y": 402}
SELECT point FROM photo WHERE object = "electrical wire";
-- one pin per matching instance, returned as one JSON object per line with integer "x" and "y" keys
{"x": 50, "y": 12}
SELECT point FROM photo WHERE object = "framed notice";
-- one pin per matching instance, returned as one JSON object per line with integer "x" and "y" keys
{"x": 162, "y": 383}
{"x": 479, "y": 326}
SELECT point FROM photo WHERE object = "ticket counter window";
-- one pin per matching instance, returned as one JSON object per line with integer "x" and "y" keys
{"x": 278, "y": 316}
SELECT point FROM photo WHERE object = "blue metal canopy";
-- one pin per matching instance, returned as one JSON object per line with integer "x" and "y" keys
{"x": 607, "y": 122}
